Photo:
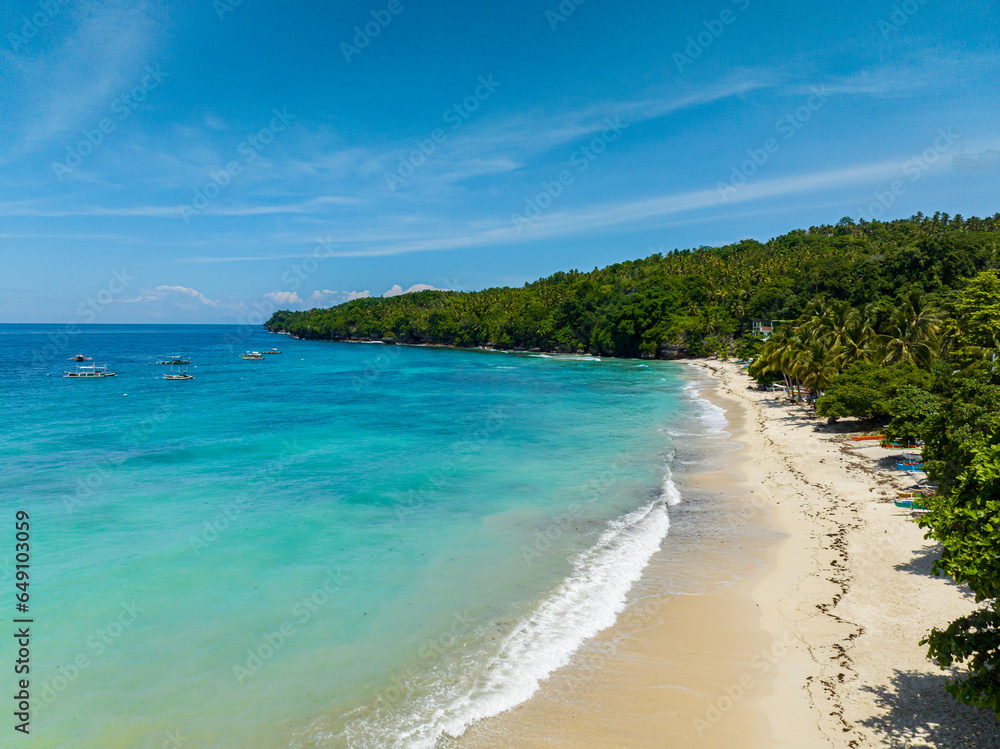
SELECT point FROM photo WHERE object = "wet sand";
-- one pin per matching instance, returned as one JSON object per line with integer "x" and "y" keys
{"x": 803, "y": 629}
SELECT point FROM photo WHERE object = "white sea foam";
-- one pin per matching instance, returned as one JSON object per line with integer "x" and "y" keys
{"x": 586, "y": 602}
{"x": 566, "y": 357}
{"x": 711, "y": 415}
{"x": 668, "y": 489}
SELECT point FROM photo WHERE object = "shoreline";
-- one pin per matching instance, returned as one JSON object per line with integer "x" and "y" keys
{"x": 490, "y": 349}
{"x": 659, "y": 676}
{"x": 854, "y": 581}
{"x": 818, "y": 647}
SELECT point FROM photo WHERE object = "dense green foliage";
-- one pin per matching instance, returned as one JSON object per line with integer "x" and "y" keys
{"x": 968, "y": 413}
{"x": 690, "y": 301}
{"x": 966, "y": 521}
{"x": 912, "y": 411}
{"x": 974, "y": 329}
{"x": 927, "y": 365}
{"x": 866, "y": 390}
{"x": 842, "y": 350}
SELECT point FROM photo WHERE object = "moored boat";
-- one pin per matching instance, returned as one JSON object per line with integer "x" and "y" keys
{"x": 178, "y": 372}
{"x": 88, "y": 371}
{"x": 174, "y": 360}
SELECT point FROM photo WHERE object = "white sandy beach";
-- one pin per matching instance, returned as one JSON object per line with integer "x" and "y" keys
{"x": 820, "y": 648}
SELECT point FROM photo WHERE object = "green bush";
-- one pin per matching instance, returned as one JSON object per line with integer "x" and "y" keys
{"x": 867, "y": 390}
{"x": 911, "y": 412}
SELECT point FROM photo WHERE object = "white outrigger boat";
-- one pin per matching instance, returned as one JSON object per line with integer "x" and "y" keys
{"x": 253, "y": 355}
{"x": 88, "y": 371}
{"x": 178, "y": 373}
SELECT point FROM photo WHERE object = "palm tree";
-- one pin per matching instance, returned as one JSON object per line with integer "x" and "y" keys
{"x": 912, "y": 334}
{"x": 814, "y": 362}
{"x": 856, "y": 339}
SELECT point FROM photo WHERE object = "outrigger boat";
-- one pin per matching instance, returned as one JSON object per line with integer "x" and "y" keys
{"x": 177, "y": 373}
{"x": 176, "y": 361}
{"x": 253, "y": 355}
{"x": 272, "y": 351}
{"x": 88, "y": 370}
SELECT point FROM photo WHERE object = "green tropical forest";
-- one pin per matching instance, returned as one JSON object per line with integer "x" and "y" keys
{"x": 893, "y": 323}
{"x": 922, "y": 367}
{"x": 681, "y": 303}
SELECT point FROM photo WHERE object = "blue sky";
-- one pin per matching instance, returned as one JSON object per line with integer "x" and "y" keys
{"x": 207, "y": 161}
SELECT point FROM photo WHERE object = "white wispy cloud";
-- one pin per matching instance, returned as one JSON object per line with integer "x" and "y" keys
{"x": 397, "y": 290}
{"x": 284, "y": 297}
{"x": 181, "y": 296}
{"x": 75, "y": 85}
{"x": 602, "y": 216}
{"x": 983, "y": 160}
{"x": 931, "y": 70}
{"x": 328, "y": 297}
{"x": 37, "y": 208}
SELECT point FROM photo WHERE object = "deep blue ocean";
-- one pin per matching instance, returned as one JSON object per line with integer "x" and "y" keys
{"x": 339, "y": 545}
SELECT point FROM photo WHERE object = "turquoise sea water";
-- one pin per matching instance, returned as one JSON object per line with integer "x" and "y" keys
{"x": 341, "y": 545}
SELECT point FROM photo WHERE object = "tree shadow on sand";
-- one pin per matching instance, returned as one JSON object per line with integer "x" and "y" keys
{"x": 921, "y": 562}
{"x": 850, "y": 426}
{"x": 916, "y": 711}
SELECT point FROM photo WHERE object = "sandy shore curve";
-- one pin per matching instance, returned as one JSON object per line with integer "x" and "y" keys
{"x": 817, "y": 643}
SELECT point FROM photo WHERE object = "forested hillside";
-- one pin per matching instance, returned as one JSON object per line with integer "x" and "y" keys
{"x": 682, "y": 302}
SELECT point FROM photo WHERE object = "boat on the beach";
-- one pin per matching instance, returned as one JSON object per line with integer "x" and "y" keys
{"x": 88, "y": 371}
